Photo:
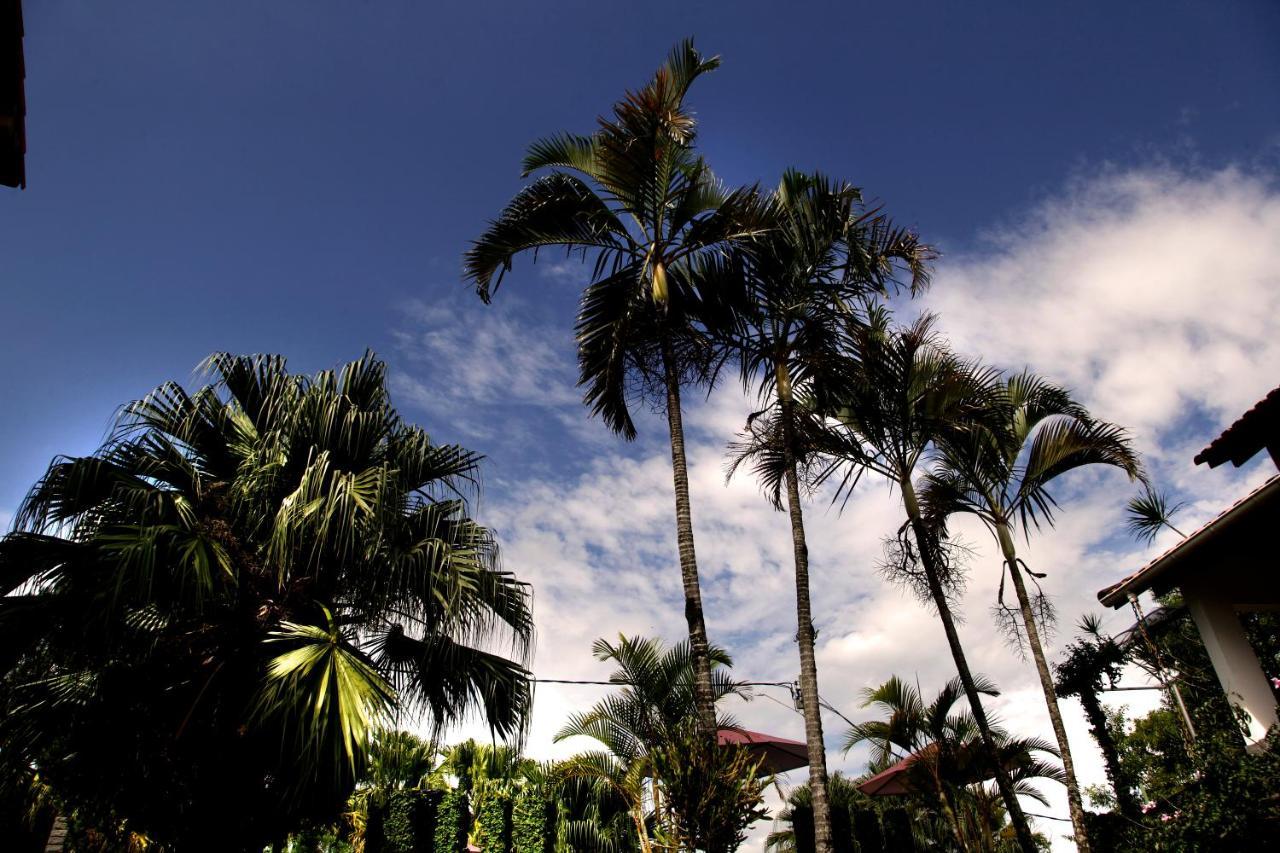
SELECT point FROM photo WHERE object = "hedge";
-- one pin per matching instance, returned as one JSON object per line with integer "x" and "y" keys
{"x": 493, "y": 823}
{"x": 533, "y": 823}
{"x": 409, "y": 824}
{"x": 452, "y": 820}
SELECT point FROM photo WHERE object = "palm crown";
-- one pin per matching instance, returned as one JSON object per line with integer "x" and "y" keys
{"x": 1002, "y": 475}
{"x": 637, "y": 199}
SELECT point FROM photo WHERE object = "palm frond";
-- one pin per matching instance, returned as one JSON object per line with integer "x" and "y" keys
{"x": 1148, "y": 513}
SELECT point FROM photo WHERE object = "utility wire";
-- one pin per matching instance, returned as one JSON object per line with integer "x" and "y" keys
{"x": 633, "y": 684}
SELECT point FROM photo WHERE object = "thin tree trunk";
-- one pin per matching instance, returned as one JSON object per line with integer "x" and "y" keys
{"x": 822, "y": 830}
{"x": 1074, "y": 803}
{"x": 928, "y": 560}
{"x": 1125, "y": 801}
{"x": 948, "y": 811}
{"x": 637, "y": 815}
{"x": 699, "y": 649}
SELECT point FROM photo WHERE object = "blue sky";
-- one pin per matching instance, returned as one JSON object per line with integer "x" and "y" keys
{"x": 303, "y": 177}
{"x": 284, "y": 176}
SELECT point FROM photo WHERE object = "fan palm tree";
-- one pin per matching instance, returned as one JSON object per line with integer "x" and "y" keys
{"x": 637, "y": 198}
{"x": 1003, "y": 477}
{"x": 211, "y": 613}
{"x": 900, "y": 395}
{"x": 945, "y": 755}
{"x": 824, "y": 252}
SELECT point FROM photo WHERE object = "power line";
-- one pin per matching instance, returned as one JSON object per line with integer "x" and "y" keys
{"x": 633, "y": 684}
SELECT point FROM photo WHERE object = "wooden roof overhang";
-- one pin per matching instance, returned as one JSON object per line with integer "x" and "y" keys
{"x": 13, "y": 102}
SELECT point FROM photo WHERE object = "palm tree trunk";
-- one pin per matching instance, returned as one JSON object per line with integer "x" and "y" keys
{"x": 1074, "y": 803}
{"x": 1125, "y": 801}
{"x": 948, "y": 811}
{"x": 939, "y": 595}
{"x": 637, "y": 815}
{"x": 699, "y": 651}
{"x": 822, "y": 830}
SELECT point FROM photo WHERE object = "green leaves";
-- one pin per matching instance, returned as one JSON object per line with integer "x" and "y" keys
{"x": 221, "y": 567}
{"x": 1148, "y": 513}
{"x": 636, "y": 201}
{"x": 327, "y": 693}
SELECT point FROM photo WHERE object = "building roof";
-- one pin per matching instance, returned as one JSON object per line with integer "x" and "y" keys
{"x": 1255, "y": 430}
{"x": 1146, "y": 577}
{"x": 895, "y": 780}
{"x": 13, "y": 102}
{"x": 780, "y": 754}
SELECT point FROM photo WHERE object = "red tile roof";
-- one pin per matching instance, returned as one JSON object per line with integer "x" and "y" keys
{"x": 1256, "y": 429}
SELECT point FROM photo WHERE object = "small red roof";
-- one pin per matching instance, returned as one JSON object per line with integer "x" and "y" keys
{"x": 893, "y": 781}
{"x": 780, "y": 754}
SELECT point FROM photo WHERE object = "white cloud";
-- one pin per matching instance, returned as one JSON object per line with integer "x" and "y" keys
{"x": 1155, "y": 294}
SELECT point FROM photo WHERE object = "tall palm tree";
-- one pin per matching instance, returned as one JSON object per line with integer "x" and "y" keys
{"x": 901, "y": 395}
{"x": 823, "y": 253}
{"x": 945, "y": 755}
{"x": 210, "y": 614}
{"x": 1003, "y": 477}
{"x": 637, "y": 198}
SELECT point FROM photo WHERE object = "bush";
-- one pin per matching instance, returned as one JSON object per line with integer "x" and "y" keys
{"x": 532, "y": 823}
{"x": 493, "y": 822}
{"x": 897, "y": 830}
{"x": 713, "y": 790}
{"x": 452, "y": 820}
{"x": 409, "y": 823}
{"x": 866, "y": 830}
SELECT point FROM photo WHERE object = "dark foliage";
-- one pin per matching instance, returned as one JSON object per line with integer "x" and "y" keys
{"x": 452, "y": 820}
{"x": 409, "y": 825}
{"x": 533, "y": 822}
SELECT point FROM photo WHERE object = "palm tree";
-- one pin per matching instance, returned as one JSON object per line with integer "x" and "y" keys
{"x": 397, "y": 761}
{"x": 789, "y": 834}
{"x": 211, "y": 613}
{"x": 591, "y": 815}
{"x": 900, "y": 395}
{"x": 637, "y": 198}
{"x": 1003, "y": 477}
{"x": 651, "y": 711}
{"x": 1091, "y": 658}
{"x": 823, "y": 252}
{"x": 945, "y": 755}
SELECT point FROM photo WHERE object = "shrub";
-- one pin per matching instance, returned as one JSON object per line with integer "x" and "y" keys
{"x": 866, "y": 830}
{"x": 409, "y": 824}
{"x": 897, "y": 830}
{"x": 713, "y": 790}
{"x": 493, "y": 822}
{"x": 532, "y": 823}
{"x": 452, "y": 820}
